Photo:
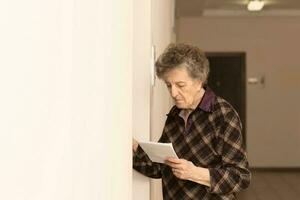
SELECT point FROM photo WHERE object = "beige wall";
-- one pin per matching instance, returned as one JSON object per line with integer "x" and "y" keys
{"x": 272, "y": 48}
{"x": 141, "y": 87}
{"x": 65, "y": 82}
{"x": 162, "y": 35}
{"x": 152, "y": 27}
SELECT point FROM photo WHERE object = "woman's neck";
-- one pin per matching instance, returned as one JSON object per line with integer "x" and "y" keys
{"x": 197, "y": 100}
{"x": 186, "y": 112}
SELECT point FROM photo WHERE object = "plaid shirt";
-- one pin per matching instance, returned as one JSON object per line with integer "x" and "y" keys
{"x": 211, "y": 139}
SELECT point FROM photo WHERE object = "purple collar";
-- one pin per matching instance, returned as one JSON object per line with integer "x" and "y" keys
{"x": 208, "y": 100}
{"x": 206, "y": 104}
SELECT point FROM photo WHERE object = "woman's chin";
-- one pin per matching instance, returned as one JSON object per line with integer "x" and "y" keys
{"x": 180, "y": 105}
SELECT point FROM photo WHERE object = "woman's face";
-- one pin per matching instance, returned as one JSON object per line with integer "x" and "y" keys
{"x": 184, "y": 90}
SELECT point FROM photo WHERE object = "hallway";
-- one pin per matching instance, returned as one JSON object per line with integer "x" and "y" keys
{"x": 273, "y": 185}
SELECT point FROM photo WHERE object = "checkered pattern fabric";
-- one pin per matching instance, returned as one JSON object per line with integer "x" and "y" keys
{"x": 211, "y": 139}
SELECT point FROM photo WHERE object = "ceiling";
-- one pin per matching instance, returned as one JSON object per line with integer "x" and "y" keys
{"x": 208, "y": 7}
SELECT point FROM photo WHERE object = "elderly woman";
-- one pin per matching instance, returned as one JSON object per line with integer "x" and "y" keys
{"x": 205, "y": 132}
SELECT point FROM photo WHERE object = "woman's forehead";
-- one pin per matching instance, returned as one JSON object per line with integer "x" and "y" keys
{"x": 178, "y": 75}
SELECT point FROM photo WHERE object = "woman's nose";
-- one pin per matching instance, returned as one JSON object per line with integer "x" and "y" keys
{"x": 174, "y": 91}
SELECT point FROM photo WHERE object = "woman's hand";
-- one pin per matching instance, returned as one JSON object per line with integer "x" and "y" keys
{"x": 186, "y": 170}
{"x": 135, "y": 145}
{"x": 181, "y": 168}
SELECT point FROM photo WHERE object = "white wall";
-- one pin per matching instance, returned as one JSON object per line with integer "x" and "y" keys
{"x": 152, "y": 26}
{"x": 141, "y": 87}
{"x": 272, "y": 48}
{"x": 65, "y": 82}
{"x": 162, "y": 35}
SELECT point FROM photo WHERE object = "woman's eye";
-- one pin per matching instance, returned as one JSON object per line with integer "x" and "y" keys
{"x": 181, "y": 86}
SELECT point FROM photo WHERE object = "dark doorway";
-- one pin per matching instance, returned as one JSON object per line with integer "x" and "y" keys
{"x": 227, "y": 79}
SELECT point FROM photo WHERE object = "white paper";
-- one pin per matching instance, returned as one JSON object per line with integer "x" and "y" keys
{"x": 158, "y": 152}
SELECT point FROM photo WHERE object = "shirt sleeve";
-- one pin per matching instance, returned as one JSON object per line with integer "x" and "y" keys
{"x": 143, "y": 164}
{"x": 233, "y": 175}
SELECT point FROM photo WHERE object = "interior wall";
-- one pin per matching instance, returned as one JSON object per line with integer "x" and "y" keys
{"x": 153, "y": 24}
{"x": 62, "y": 93}
{"x": 162, "y": 34}
{"x": 271, "y": 45}
{"x": 141, "y": 92}
{"x": 101, "y": 99}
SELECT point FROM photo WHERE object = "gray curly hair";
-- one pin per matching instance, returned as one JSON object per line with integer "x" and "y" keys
{"x": 176, "y": 55}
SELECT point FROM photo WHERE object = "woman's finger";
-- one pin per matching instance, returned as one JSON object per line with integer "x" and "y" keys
{"x": 174, "y": 160}
{"x": 173, "y": 165}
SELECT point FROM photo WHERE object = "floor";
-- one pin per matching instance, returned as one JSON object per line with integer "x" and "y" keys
{"x": 273, "y": 185}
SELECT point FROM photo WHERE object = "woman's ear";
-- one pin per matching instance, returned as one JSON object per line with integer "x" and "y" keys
{"x": 199, "y": 85}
